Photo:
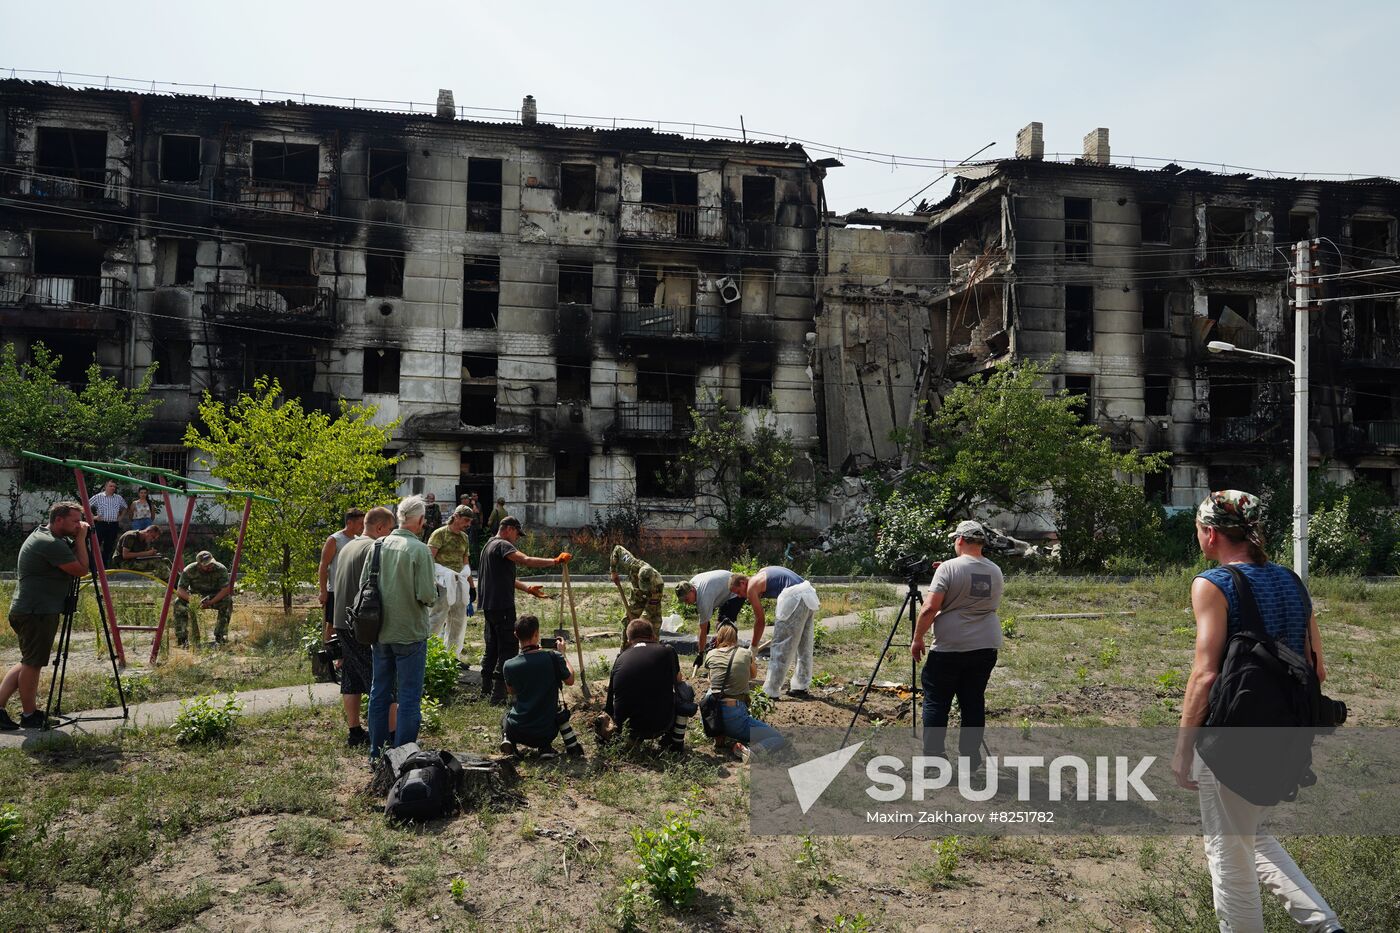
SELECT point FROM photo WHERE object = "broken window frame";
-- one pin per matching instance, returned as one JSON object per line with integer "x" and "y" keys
{"x": 1079, "y": 229}
{"x": 1156, "y": 311}
{"x": 481, "y": 276}
{"x": 181, "y": 270}
{"x": 1367, "y": 242}
{"x": 1079, "y": 318}
{"x": 572, "y": 480}
{"x": 756, "y": 384}
{"x": 77, "y": 162}
{"x": 287, "y": 167}
{"x": 1082, "y": 384}
{"x": 1157, "y": 395}
{"x": 393, "y": 174}
{"x": 762, "y": 207}
{"x": 575, "y": 192}
{"x": 575, "y": 283}
{"x": 480, "y": 382}
{"x": 182, "y": 178}
{"x": 172, "y": 355}
{"x": 573, "y": 382}
{"x": 384, "y": 274}
{"x": 485, "y": 189}
{"x": 659, "y": 187}
{"x": 381, "y": 370}
{"x": 657, "y": 477}
{"x": 1154, "y": 221}
{"x": 1309, "y": 219}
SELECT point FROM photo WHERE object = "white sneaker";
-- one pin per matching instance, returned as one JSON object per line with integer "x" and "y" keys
{"x": 741, "y": 751}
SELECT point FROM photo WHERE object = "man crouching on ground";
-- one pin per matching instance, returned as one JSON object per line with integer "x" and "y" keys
{"x": 647, "y": 697}
{"x": 533, "y": 678}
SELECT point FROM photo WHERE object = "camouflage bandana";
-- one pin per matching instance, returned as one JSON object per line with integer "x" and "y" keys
{"x": 1231, "y": 508}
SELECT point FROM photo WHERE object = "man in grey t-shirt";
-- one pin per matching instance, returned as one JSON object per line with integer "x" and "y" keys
{"x": 709, "y": 592}
{"x": 962, "y": 611}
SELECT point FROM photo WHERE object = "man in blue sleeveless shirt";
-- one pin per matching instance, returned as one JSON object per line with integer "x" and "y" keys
{"x": 1240, "y": 857}
{"x": 794, "y": 625}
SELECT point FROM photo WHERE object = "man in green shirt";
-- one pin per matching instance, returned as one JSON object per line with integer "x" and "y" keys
{"x": 450, "y": 546}
{"x": 407, "y": 590}
{"x": 498, "y": 515}
{"x": 533, "y": 678}
{"x": 43, "y": 581}
{"x": 212, "y": 580}
{"x": 136, "y": 551}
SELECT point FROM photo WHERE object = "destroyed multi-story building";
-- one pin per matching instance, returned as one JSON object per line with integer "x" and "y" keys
{"x": 1116, "y": 278}
{"x": 537, "y": 306}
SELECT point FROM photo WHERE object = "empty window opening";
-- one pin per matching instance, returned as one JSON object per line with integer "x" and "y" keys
{"x": 1079, "y": 317}
{"x": 298, "y": 163}
{"x": 1371, "y": 236}
{"x": 388, "y": 174}
{"x": 1229, "y": 228}
{"x": 1302, "y": 225}
{"x": 574, "y": 382}
{"x": 1374, "y": 401}
{"x": 179, "y": 158}
{"x": 756, "y": 289}
{"x": 171, "y": 354}
{"x": 1157, "y": 487}
{"x": 1083, "y": 387}
{"x": 384, "y": 275}
{"x": 659, "y": 478}
{"x": 1079, "y": 214}
{"x": 479, "y": 389}
{"x": 61, "y": 253}
{"x": 484, "y": 195}
{"x": 1156, "y": 222}
{"x": 481, "y": 291}
{"x": 1234, "y": 319}
{"x": 570, "y": 474}
{"x": 1377, "y": 329}
{"x": 680, "y": 188}
{"x": 1157, "y": 395}
{"x": 756, "y": 385}
{"x": 478, "y": 476}
{"x": 760, "y": 199}
{"x": 578, "y": 187}
{"x": 175, "y": 261}
{"x": 1230, "y": 399}
{"x": 576, "y": 284}
{"x": 1154, "y": 311}
{"x": 381, "y": 371}
{"x": 80, "y": 154}
{"x": 278, "y": 265}
{"x": 666, "y": 288}
{"x": 75, "y": 355}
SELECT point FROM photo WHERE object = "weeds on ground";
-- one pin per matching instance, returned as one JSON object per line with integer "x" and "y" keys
{"x": 10, "y": 824}
{"x": 440, "y": 671}
{"x": 943, "y": 868}
{"x": 1108, "y": 652}
{"x": 858, "y": 923}
{"x": 458, "y": 889}
{"x": 1008, "y": 627}
{"x": 670, "y": 859}
{"x": 760, "y": 704}
{"x": 813, "y": 867}
{"x": 305, "y": 837}
{"x": 431, "y": 711}
{"x": 203, "y": 720}
{"x": 1171, "y": 683}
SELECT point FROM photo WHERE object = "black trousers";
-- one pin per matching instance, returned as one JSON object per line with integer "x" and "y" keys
{"x": 961, "y": 674}
{"x": 107, "y": 535}
{"x": 501, "y": 646}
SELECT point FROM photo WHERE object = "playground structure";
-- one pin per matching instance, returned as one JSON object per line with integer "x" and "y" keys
{"x": 170, "y": 484}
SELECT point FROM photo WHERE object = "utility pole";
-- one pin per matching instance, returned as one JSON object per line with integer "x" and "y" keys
{"x": 1302, "y": 305}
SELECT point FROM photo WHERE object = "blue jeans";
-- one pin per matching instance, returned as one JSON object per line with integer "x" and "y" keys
{"x": 140, "y": 524}
{"x": 741, "y": 727}
{"x": 401, "y": 667}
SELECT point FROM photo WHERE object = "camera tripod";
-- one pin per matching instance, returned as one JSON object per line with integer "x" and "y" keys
{"x": 913, "y": 599}
{"x": 55, "y": 715}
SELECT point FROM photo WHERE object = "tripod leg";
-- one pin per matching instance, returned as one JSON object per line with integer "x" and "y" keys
{"x": 111, "y": 652}
{"x": 860, "y": 705}
{"x": 60, "y": 672}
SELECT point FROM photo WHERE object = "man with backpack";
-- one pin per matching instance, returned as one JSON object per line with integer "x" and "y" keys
{"x": 533, "y": 678}
{"x": 1260, "y": 605}
{"x": 356, "y": 662}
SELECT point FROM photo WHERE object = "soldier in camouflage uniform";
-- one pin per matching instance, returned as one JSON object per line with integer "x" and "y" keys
{"x": 644, "y": 602}
{"x": 136, "y": 551}
{"x": 211, "y": 579}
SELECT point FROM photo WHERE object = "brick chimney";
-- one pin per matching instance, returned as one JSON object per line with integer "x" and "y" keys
{"x": 1096, "y": 146}
{"x": 1030, "y": 142}
{"x": 446, "y": 108}
{"x": 528, "y": 112}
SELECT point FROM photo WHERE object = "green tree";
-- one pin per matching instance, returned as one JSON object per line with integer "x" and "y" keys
{"x": 1000, "y": 445}
{"x": 315, "y": 465}
{"x": 98, "y": 421}
{"x": 745, "y": 477}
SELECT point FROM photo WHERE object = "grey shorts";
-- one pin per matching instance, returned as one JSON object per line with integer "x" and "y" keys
{"x": 36, "y": 632}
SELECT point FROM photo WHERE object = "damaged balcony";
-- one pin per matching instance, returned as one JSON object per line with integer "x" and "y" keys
{"x": 686, "y": 323}
{"x": 63, "y": 302}
{"x": 1368, "y": 437}
{"x": 1232, "y": 241}
{"x": 1247, "y": 431}
{"x": 646, "y": 221}
{"x": 658, "y": 419}
{"x": 254, "y": 198}
{"x": 305, "y": 308}
{"x": 62, "y": 183}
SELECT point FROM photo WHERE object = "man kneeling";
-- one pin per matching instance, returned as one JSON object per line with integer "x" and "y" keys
{"x": 533, "y": 678}
{"x": 647, "y": 697}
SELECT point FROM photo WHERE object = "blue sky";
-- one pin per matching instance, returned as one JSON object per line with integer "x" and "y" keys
{"x": 1285, "y": 86}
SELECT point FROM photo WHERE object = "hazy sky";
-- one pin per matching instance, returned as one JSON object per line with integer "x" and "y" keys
{"x": 1296, "y": 87}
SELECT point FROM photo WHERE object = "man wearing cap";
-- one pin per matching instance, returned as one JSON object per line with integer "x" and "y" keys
{"x": 210, "y": 579}
{"x": 498, "y": 514}
{"x": 707, "y": 592}
{"x": 432, "y": 515}
{"x": 644, "y": 602}
{"x": 794, "y": 625}
{"x": 136, "y": 551}
{"x": 962, "y": 611}
{"x": 498, "y": 585}
{"x": 449, "y": 546}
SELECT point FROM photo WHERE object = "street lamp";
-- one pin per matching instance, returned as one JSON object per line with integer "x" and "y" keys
{"x": 1300, "y": 443}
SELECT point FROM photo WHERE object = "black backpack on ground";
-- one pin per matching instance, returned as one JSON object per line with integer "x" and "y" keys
{"x": 1264, "y": 709}
{"x": 366, "y": 613}
{"x": 428, "y": 787}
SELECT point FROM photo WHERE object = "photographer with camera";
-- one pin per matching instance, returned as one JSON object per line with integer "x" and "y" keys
{"x": 533, "y": 678}
{"x": 44, "y": 577}
{"x": 1244, "y": 591}
{"x": 962, "y": 611}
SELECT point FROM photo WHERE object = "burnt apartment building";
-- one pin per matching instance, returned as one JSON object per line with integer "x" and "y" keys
{"x": 1121, "y": 276}
{"x": 538, "y": 307}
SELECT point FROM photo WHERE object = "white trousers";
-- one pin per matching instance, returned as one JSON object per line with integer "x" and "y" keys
{"x": 793, "y": 631}
{"x": 1241, "y": 859}
{"x": 449, "y": 622}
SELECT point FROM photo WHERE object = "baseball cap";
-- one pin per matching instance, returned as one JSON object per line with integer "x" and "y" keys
{"x": 510, "y": 521}
{"x": 972, "y": 531}
{"x": 204, "y": 557}
{"x": 463, "y": 511}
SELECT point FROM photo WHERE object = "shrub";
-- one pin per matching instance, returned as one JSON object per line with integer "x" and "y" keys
{"x": 1008, "y": 627}
{"x": 1108, "y": 652}
{"x": 10, "y": 824}
{"x": 440, "y": 673}
{"x": 205, "y": 720}
{"x": 670, "y": 859}
{"x": 459, "y": 889}
{"x": 135, "y": 687}
{"x": 858, "y": 923}
{"x": 760, "y": 704}
{"x": 431, "y": 711}
{"x": 1337, "y": 541}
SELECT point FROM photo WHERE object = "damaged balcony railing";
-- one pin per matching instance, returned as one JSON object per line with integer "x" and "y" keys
{"x": 1376, "y": 348}
{"x": 1383, "y": 433}
{"x": 651, "y": 418}
{"x": 686, "y": 322}
{"x": 262, "y": 194}
{"x": 306, "y": 305}
{"x": 646, "y": 221}
{"x": 61, "y": 183}
{"x": 1246, "y": 431}
{"x": 74, "y": 292}
{"x": 1247, "y": 255}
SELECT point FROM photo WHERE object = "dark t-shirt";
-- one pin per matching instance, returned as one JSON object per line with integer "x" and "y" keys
{"x": 132, "y": 541}
{"x": 497, "y": 586}
{"x": 42, "y": 588}
{"x": 535, "y": 676}
{"x": 643, "y": 681}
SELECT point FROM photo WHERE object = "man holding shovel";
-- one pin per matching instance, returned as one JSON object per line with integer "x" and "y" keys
{"x": 644, "y": 602}
{"x": 497, "y": 589}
